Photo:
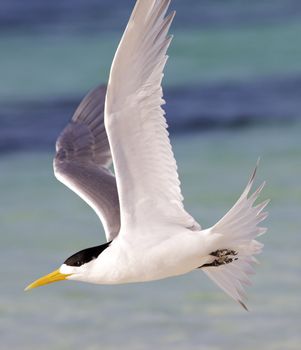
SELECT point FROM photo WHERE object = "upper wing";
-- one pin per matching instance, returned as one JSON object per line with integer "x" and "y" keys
{"x": 146, "y": 171}
{"x": 83, "y": 157}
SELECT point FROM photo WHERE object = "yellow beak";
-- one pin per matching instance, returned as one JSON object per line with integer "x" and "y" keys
{"x": 54, "y": 276}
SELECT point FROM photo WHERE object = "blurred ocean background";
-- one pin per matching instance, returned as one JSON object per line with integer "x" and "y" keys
{"x": 233, "y": 91}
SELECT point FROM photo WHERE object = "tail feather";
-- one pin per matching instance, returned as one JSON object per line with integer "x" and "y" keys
{"x": 237, "y": 231}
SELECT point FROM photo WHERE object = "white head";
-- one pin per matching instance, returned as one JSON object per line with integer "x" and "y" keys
{"x": 77, "y": 267}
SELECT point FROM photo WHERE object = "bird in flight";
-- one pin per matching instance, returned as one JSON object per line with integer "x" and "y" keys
{"x": 150, "y": 236}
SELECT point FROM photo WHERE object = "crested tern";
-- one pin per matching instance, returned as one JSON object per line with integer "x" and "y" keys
{"x": 150, "y": 236}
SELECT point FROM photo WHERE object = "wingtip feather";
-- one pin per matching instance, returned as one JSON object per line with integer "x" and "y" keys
{"x": 243, "y": 305}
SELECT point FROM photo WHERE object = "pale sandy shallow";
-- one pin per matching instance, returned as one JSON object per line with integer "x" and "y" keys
{"x": 42, "y": 223}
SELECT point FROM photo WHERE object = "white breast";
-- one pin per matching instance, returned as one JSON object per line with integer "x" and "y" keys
{"x": 147, "y": 260}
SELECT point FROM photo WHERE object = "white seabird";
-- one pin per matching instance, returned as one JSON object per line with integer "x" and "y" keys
{"x": 150, "y": 236}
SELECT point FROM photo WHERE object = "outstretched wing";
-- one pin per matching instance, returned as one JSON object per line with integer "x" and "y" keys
{"x": 83, "y": 158}
{"x": 146, "y": 171}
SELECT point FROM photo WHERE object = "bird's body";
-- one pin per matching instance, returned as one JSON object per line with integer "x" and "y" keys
{"x": 158, "y": 253}
{"x": 150, "y": 235}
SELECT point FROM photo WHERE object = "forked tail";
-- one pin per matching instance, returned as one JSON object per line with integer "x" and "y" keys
{"x": 236, "y": 233}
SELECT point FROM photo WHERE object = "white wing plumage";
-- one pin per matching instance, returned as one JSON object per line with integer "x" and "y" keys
{"x": 145, "y": 168}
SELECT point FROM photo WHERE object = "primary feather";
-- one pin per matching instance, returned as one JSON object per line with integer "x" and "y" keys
{"x": 83, "y": 158}
{"x": 145, "y": 167}
{"x": 153, "y": 237}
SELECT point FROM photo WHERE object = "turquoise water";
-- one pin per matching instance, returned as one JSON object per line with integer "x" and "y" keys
{"x": 38, "y": 67}
{"x": 42, "y": 223}
{"x": 59, "y": 57}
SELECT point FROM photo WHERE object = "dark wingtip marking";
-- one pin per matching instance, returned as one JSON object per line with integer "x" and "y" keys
{"x": 243, "y": 305}
{"x": 255, "y": 171}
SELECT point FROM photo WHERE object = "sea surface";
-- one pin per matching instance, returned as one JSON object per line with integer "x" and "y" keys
{"x": 231, "y": 64}
{"x": 42, "y": 223}
{"x": 233, "y": 87}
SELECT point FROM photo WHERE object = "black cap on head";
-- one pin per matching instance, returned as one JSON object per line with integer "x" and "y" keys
{"x": 86, "y": 255}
